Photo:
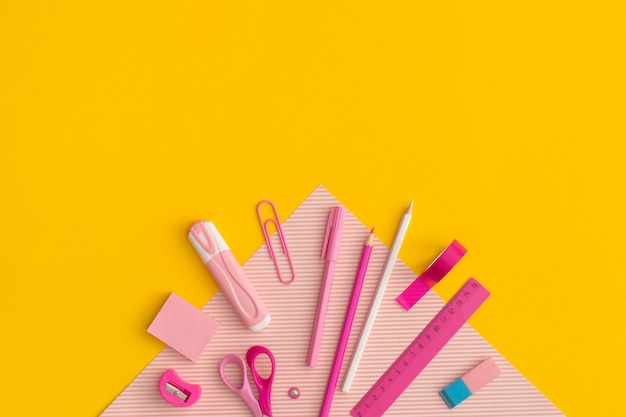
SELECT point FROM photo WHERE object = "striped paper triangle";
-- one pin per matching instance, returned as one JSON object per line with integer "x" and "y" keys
{"x": 292, "y": 308}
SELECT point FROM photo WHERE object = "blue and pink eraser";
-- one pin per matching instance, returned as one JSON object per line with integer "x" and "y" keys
{"x": 468, "y": 384}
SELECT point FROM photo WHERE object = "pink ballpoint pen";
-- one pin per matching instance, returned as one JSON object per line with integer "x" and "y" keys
{"x": 347, "y": 326}
{"x": 330, "y": 252}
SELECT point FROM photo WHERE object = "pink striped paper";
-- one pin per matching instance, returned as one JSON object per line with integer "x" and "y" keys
{"x": 292, "y": 308}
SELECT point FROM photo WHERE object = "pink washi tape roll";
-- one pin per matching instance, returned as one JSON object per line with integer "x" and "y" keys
{"x": 435, "y": 272}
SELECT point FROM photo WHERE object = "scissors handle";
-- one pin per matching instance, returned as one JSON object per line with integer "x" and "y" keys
{"x": 263, "y": 384}
{"x": 245, "y": 391}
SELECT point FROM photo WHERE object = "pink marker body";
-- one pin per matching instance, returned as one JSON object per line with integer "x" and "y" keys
{"x": 229, "y": 275}
{"x": 330, "y": 252}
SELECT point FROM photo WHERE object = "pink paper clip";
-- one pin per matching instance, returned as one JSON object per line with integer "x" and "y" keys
{"x": 276, "y": 221}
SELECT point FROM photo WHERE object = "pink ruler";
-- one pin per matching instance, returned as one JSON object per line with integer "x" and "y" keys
{"x": 422, "y": 350}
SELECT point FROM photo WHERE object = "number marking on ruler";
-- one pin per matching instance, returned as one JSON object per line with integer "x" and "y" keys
{"x": 422, "y": 350}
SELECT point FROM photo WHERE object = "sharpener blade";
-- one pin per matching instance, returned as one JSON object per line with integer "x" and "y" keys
{"x": 176, "y": 392}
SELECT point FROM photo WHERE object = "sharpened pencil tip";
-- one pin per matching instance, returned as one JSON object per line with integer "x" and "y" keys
{"x": 372, "y": 231}
{"x": 409, "y": 210}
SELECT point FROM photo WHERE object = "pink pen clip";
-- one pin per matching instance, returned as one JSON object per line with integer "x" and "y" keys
{"x": 330, "y": 252}
{"x": 276, "y": 221}
{"x": 334, "y": 230}
{"x": 176, "y": 391}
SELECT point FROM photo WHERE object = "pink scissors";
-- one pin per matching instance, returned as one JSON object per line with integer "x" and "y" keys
{"x": 262, "y": 406}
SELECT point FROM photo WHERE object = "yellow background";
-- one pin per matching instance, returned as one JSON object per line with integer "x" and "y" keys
{"x": 122, "y": 122}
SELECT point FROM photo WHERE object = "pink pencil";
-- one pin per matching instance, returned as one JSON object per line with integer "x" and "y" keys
{"x": 347, "y": 326}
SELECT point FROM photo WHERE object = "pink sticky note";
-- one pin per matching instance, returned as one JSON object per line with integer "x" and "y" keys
{"x": 183, "y": 327}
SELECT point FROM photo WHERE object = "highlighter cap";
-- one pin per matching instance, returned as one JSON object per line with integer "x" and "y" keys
{"x": 206, "y": 240}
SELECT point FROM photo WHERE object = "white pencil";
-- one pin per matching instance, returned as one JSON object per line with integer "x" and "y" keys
{"x": 378, "y": 298}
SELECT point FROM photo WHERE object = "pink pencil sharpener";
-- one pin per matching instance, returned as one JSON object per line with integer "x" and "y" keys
{"x": 176, "y": 391}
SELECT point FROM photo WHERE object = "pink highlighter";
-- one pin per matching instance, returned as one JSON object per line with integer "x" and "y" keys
{"x": 229, "y": 275}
